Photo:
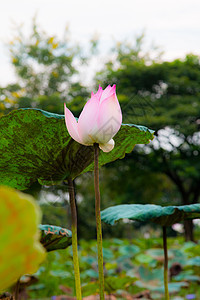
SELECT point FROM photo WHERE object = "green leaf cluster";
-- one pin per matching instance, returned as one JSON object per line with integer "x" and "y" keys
{"x": 131, "y": 267}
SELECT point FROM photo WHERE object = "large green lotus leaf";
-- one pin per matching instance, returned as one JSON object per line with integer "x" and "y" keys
{"x": 20, "y": 249}
{"x": 35, "y": 145}
{"x": 165, "y": 216}
{"x": 55, "y": 237}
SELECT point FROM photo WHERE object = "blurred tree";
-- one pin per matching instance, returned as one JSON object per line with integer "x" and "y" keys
{"x": 164, "y": 96}
{"x": 47, "y": 73}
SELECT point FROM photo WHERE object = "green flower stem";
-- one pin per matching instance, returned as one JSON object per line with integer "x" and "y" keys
{"x": 74, "y": 239}
{"x": 165, "y": 263}
{"x": 98, "y": 220}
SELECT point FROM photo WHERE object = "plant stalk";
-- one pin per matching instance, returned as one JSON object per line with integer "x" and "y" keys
{"x": 74, "y": 239}
{"x": 98, "y": 221}
{"x": 165, "y": 263}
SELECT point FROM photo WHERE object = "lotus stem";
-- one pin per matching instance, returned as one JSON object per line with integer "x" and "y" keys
{"x": 165, "y": 263}
{"x": 98, "y": 221}
{"x": 74, "y": 239}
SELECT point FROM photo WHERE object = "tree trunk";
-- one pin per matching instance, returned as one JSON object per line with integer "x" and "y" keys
{"x": 188, "y": 229}
{"x": 188, "y": 224}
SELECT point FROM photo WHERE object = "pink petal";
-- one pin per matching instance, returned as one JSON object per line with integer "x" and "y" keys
{"x": 110, "y": 119}
{"x": 98, "y": 94}
{"x": 72, "y": 125}
{"x": 108, "y": 92}
{"x": 108, "y": 146}
{"x": 87, "y": 121}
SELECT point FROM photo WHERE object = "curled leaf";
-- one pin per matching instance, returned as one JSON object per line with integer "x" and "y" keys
{"x": 55, "y": 237}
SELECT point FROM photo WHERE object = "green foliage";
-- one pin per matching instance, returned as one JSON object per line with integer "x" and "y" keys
{"x": 41, "y": 148}
{"x": 53, "y": 214}
{"x": 113, "y": 284}
{"x": 46, "y": 71}
{"x": 47, "y": 54}
{"x": 171, "y": 91}
{"x": 55, "y": 237}
{"x": 161, "y": 95}
{"x": 165, "y": 216}
{"x": 164, "y": 96}
{"x": 124, "y": 274}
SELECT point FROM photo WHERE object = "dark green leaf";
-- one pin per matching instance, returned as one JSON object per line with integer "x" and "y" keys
{"x": 55, "y": 237}
{"x": 35, "y": 145}
{"x": 165, "y": 216}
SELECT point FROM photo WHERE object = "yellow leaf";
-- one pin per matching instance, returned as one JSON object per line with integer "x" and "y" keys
{"x": 54, "y": 45}
{"x": 20, "y": 250}
{"x": 50, "y": 41}
{"x": 55, "y": 74}
{"x": 15, "y": 94}
{"x": 11, "y": 101}
{"x": 14, "y": 60}
{"x": 2, "y": 106}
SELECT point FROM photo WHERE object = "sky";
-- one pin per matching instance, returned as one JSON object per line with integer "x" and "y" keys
{"x": 174, "y": 26}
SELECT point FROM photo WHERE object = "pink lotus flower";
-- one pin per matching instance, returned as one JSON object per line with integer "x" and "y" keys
{"x": 99, "y": 121}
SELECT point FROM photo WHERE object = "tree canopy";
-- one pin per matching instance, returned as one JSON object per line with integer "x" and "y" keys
{"x": 166, "y": 97}
{"x": 46, "y": 71}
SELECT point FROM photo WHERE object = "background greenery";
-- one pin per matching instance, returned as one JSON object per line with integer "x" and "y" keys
{"x": 133, "y": 268}
{"x": 164, "y": 96}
